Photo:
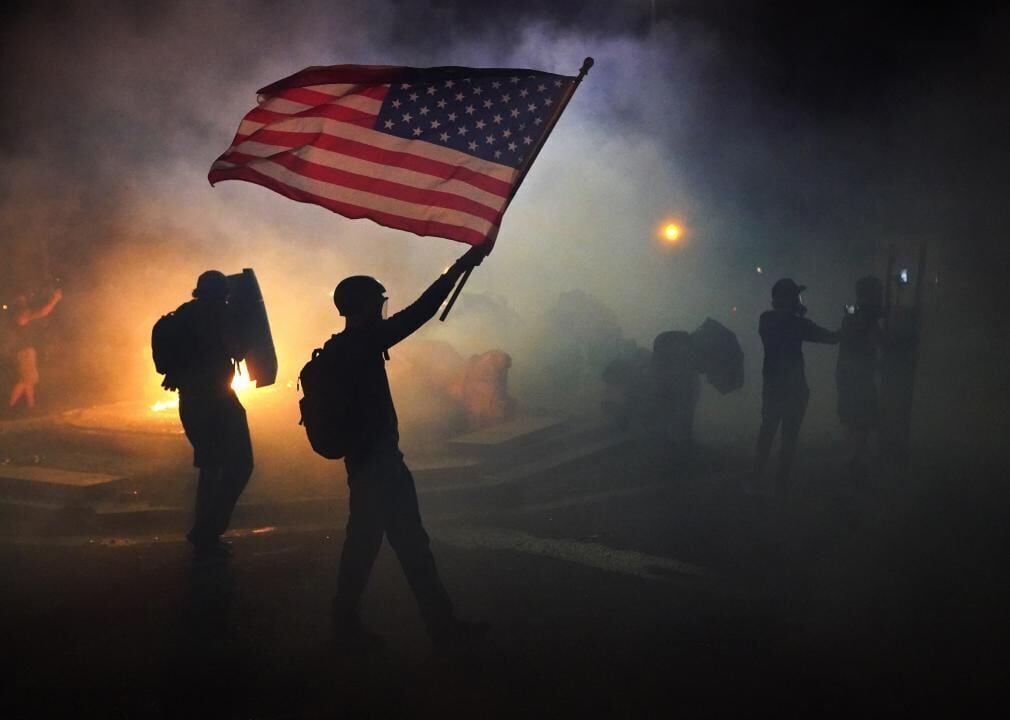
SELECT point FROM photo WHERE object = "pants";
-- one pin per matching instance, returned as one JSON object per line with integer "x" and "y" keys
{"x": 384, "y": 502}
{"x": 216, "y": 426}
{"x": 785, "y": 407}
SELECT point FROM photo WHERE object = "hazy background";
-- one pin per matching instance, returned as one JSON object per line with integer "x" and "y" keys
{"x": 801, "y": 141}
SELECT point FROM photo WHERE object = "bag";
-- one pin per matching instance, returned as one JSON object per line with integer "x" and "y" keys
{"x": 329, "y": 407}
{"x": 168, "y": 347}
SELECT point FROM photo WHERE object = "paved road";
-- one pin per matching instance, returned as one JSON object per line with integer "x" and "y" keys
{"x": 622, "y": 602}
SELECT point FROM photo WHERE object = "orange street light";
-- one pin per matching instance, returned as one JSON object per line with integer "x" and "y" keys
{"x": 671, "y": 233}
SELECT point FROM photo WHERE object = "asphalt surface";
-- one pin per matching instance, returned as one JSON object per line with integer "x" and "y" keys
{"x": 633, "y": 596}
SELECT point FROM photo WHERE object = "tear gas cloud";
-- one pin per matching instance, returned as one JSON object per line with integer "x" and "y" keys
{"x": 115, "y": 112}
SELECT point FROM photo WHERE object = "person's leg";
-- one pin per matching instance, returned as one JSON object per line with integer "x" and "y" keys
{"x": 365, "y": 526}
{"x": 238, "y": 462}
{"x": 16, "y": 392}
{"x": 30, "y": 395}
{"x": 204, "y": 530}
{"x": 792, "y": 419}
{"x": 410, "y": 542}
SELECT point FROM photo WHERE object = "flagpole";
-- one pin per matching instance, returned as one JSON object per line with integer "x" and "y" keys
{"x": 586, "y": 64}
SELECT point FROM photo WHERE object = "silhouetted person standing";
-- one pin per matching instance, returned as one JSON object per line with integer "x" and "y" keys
{"x": 860, "y": 340}
{"x": 212, "y": 416}
{"x": 24, "y": 342}
{"x": 784, "y": 392}
{"x": 383, "y": 500}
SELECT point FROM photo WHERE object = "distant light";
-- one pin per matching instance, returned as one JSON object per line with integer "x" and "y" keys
{"x": 760, "y": 270}
{"x": 672, "y": 232}
{"x": 734, "y": 308}
{"x": 5, "y": 307}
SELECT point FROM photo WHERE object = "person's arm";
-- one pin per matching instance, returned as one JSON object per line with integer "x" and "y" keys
{"x": 396, "y": 328}
{"x": 32, "y": 315}
{"x": 812, "y": 332}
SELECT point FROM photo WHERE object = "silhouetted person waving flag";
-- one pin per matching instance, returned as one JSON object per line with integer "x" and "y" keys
{"x": 196, "y": 344}
{"x": 383, "y": 500}
{"x": 784, "y": 392}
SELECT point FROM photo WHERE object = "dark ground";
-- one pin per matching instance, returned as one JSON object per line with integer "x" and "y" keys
{"x": 888, "y": 600}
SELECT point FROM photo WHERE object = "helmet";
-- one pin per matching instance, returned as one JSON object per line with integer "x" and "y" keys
{"x": 786, "y": 289}
{"x": 354, "y": 294}
{"x": 211, "y": 285}
{"x": 869, "y": 291}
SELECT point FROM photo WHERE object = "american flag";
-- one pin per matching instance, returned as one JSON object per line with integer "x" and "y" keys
{"x": 434, "y": 151}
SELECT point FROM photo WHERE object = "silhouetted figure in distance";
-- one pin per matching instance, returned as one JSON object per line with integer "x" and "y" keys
{"x": 677, "y": 387}
{"x": 383, "y": 500}
{"x": 212, "y": 416}
{"x": 784, "y": 392}
{"x": 860, "y": 341}
{"x": 23, "y": 346}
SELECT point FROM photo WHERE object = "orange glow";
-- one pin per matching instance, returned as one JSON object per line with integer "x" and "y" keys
{"x": 162, "y": 405}
{"x": 242, "y": 381}
{"x": 671, "y": 233}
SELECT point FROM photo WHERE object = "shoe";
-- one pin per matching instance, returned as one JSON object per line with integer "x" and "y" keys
{"x": 217, "y": 549}
{"x": 459, "y": 634}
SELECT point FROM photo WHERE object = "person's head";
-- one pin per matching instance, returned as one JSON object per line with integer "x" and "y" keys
{"x": 211, "y": 286}
{"x": 786, "y": 295}
{"x": 360, "y": 298}
{"x": 869, "y": 293}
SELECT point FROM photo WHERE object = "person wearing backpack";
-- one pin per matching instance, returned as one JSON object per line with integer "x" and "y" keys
{"x": 197, "y": 345}
{"x": 383, "y": 500}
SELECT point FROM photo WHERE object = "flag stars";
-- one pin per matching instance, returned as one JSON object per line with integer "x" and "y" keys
{"x": 514, "y": 112}
{"x": 417, "y": 132}
{"x": 532, "y": 107}
{"x": 459, "y": 97}
{"x": 497, "y": 119}
{"x": 506, "y": 133}
{"x": 441, "y": 104}
{"x": 413, "y": 97}
{"x": 497, "y": 154}
{"x": 389, "y": 124}
{"x": 449, "y": 83}
{"x": 488, "y": 104}
{"x": 506, "y": 98}
{"x": 512, "y": 147}
{"x": 524, "y": 92}
{"x": 489, "y": 140}
{"x": 496, "y": 84}
{"x": 424, "y": 110}
{"x": 405, "y": 86}
{"x": 396, "y": 104}
{"x": 548, "y": 102}
{"x": 444, "y": 137}
{"x": 541, "y": 87}
{"x": 470, "y": 109}
{"x": 472, "y": 145}
{"x": 477, "y": 90}
{"x": 462, "y": 130}
{"x": 435, "y": 124}
{"x": 537, "y": 121}
{"x": 514, "y": 80}
{"x": 557, "y": 83}
{"x": 431, "y": 90}
{"x": 527, "y": 140}
{"x": 481, "y": 124}
{"x": 407, "y": 117}
{"x": 452, "y": 117}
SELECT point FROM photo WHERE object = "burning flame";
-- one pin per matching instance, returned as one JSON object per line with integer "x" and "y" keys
{"x": 241, "y": 383}
{"x": 163, "y": 405}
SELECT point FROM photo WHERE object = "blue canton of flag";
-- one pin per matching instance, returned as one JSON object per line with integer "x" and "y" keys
{"x": 499, "y": 118}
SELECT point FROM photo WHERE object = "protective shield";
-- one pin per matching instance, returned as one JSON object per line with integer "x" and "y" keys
{"x": 252, "y": 328}
{"x": 719, "y": 356}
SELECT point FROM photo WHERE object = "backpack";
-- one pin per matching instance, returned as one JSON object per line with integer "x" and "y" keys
{"x": 168, "y": 348}
{"x": 329, "y": 403}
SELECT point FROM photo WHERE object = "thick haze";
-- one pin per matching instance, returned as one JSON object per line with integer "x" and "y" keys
{"x": 804, "y": 146}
